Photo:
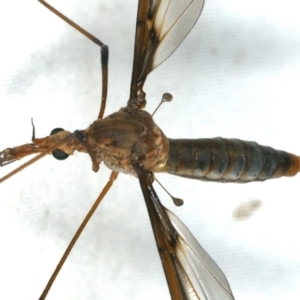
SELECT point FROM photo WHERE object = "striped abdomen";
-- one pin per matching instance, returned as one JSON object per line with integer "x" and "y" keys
{"x": 230, "y": 160}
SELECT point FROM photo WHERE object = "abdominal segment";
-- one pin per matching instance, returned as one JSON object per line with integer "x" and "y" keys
{"x": 228, "y": 160}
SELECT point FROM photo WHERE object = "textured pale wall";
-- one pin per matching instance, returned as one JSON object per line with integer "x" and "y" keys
{"x": 236, "y": 75}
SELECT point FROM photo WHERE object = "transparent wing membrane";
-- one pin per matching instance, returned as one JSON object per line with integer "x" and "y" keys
{"x": 185, "y": 262}
{"x": 172, "y": 22}
{"x": 199, "y": 274}
{"x": 161, "y": 26}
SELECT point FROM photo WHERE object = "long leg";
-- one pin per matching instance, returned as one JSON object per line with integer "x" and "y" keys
{"x": 108, "y": 185}
{"x": 190, "y": 272}
{"x": 156, "y": 214}
{"x": 104, "y": 52}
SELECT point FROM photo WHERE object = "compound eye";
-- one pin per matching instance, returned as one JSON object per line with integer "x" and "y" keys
{"x": 57, "y": 153}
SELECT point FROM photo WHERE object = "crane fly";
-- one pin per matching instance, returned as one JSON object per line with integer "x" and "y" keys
{"x": 143, "y": 175}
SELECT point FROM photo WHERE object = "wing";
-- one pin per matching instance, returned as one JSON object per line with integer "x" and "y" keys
{"x": 190, "y": 271}
{"x": 160, "y": 28}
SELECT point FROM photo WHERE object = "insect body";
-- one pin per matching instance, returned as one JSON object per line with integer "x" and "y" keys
{"x": 136, "y": 155}
{"x": 229, "y": 160}
{"x": 131, "y": 136}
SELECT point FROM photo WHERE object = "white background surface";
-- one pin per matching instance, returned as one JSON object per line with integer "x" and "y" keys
{"x": 236, "y": 75}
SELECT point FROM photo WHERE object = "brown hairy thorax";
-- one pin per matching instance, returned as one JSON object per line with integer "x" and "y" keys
{"x": 125, "y": 137}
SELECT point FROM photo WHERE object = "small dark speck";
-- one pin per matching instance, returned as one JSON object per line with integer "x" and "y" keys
{"x": 246, "y": 209}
